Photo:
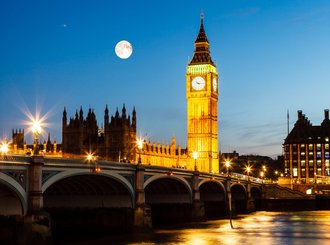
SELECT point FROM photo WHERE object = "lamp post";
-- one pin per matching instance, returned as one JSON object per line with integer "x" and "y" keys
{"x": 195, "y": 156}
{"x": 227, "y": 166}
{"x": 262, "y": 176}
{"x": 248, "y": 170}
{"x": 36, "y": 130}
{"x": 139, "y": 146}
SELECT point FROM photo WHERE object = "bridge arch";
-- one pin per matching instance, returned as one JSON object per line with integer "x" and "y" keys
{"x": 239, "y": 197}
{"x": 162, "y": 176}
{"x": 73, "y": 174}
{"x": 170, "y": 198}
{"x": 213, "y": 196}
{"x": 11, "y": 184}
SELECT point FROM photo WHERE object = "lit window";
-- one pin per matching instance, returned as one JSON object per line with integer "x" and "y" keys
{"x": 310, "y": 146}
{"x": 318, "y": 162}
{"x": 326, "y": 154}
{"x": 319, "y": 171}
{"x": 303, "y": 163}
{"x": 295, "y": 172}
{"x": 318, "y": 146}
{"x": 303, "y": 173}
{"x": 326, "y": 146}
{"x": 302, "y": 145}
{"x": 302, "y": 153}
{"x": 310, "y": 153}
{"x": 326, "y": 139}
{"x": 318, "y": 154}
{"x": 310, "y": 163}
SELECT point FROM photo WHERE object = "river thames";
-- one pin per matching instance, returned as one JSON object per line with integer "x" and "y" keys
{"x": 308, "y": 227}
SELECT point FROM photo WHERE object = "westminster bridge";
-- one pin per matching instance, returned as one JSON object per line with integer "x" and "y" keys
{"x": 136, "y": 195}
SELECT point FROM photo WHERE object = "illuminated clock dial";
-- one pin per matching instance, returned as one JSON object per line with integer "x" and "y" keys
{"x": 214, "y": 84}
{"x": 198, "y": 83}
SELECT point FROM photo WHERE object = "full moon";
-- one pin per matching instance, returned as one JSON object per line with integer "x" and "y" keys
{"x": 123, "y": 49}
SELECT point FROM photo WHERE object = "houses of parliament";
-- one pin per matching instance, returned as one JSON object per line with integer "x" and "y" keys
{"x": 116, "y": 140}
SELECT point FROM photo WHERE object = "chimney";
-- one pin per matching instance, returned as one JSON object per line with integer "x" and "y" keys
{"x": 300, "y": 115}
{"x": 326, "y": 114}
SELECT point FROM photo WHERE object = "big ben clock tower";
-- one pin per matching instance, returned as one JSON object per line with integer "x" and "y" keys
{"x": 202, "y": 107}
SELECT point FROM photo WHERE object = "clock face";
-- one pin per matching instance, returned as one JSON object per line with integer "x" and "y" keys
{"x": 214, "y": 84}
{"x": 198, "y": 83}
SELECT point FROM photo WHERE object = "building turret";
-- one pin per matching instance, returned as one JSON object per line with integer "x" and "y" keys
{"x": 64, "y": 118}
{"x": 106, "y": 116}
{"x": 81, "y": 115}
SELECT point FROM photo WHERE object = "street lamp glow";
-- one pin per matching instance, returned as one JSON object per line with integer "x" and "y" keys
{"x": 195, "y": 155}
{"x": 139, "y": 144}
{"x": 89, "y": 157}
{"x": 36, "y": 127}
{"x": 4, "y": 148}
{"x": 227, "y": 163}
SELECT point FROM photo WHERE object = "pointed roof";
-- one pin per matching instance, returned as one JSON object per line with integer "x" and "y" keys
{"x": 202, "y": 53}
{"x": 201, "y": 35}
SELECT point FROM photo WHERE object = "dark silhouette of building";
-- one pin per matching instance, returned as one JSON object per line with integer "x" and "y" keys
{"x": 306, "y": 151}
{"x": 18, "y": 138}
{"x": 115, "y": 141}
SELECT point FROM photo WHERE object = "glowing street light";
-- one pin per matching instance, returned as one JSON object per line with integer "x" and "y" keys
{"x": 139, "y": 143}
{"x": 4, "y": 148}
{"x": 36, "y": 130}
{"x": 89, "y": 157}
{"x": 227, "y": 163}
{"x": 195, "y": 156}
{"x": 248, "y": 170}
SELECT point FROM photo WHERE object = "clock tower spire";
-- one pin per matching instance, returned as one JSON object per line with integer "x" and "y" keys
{"x": 202, "y": 107}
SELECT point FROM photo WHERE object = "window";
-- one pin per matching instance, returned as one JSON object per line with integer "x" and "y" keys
{"x": 295, "y": 172}
{"x": 319, "y": 163}
{"x": 318, "y": 154}
{"x": 326, "y": 154}
{"x": 302, "y": 146}
{"x": 310, "y": 153}
{"x": 318, "y": 146}
{"x": 303, "y": 163}
{"x": 310, "y": 163}
{"x": 326, "y": 146}
{"x": 303, "y": 173}
{"x": 319, "y": 171}
{"x": 326, "y": 139}
{"x": 302, "y": 153}
{"x": 310, "y": 147}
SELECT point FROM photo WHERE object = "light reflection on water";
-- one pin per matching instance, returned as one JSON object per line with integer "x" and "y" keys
{"x": 309, "y": 227}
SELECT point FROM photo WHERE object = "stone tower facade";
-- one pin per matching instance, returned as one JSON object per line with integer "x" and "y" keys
{"x": 202, "y": 107}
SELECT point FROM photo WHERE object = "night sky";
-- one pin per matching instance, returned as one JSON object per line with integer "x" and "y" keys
{"x": 272, "y": 57}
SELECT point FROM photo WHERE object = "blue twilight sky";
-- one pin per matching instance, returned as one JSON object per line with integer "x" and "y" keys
{"x": 272, "y": 56}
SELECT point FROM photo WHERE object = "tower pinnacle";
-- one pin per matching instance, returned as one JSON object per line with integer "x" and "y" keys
{"x": 202, "y": 53}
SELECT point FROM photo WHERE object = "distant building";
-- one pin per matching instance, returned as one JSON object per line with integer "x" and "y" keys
{"x": 306, "y": 151}
{"x": 116, "y": 141}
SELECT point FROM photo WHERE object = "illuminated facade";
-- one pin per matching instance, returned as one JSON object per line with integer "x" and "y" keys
{"x": 307, "y": 151}
{"x": 202, "y": 107}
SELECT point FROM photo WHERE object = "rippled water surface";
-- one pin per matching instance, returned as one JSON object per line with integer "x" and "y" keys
{"x": 309, "y": 227}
